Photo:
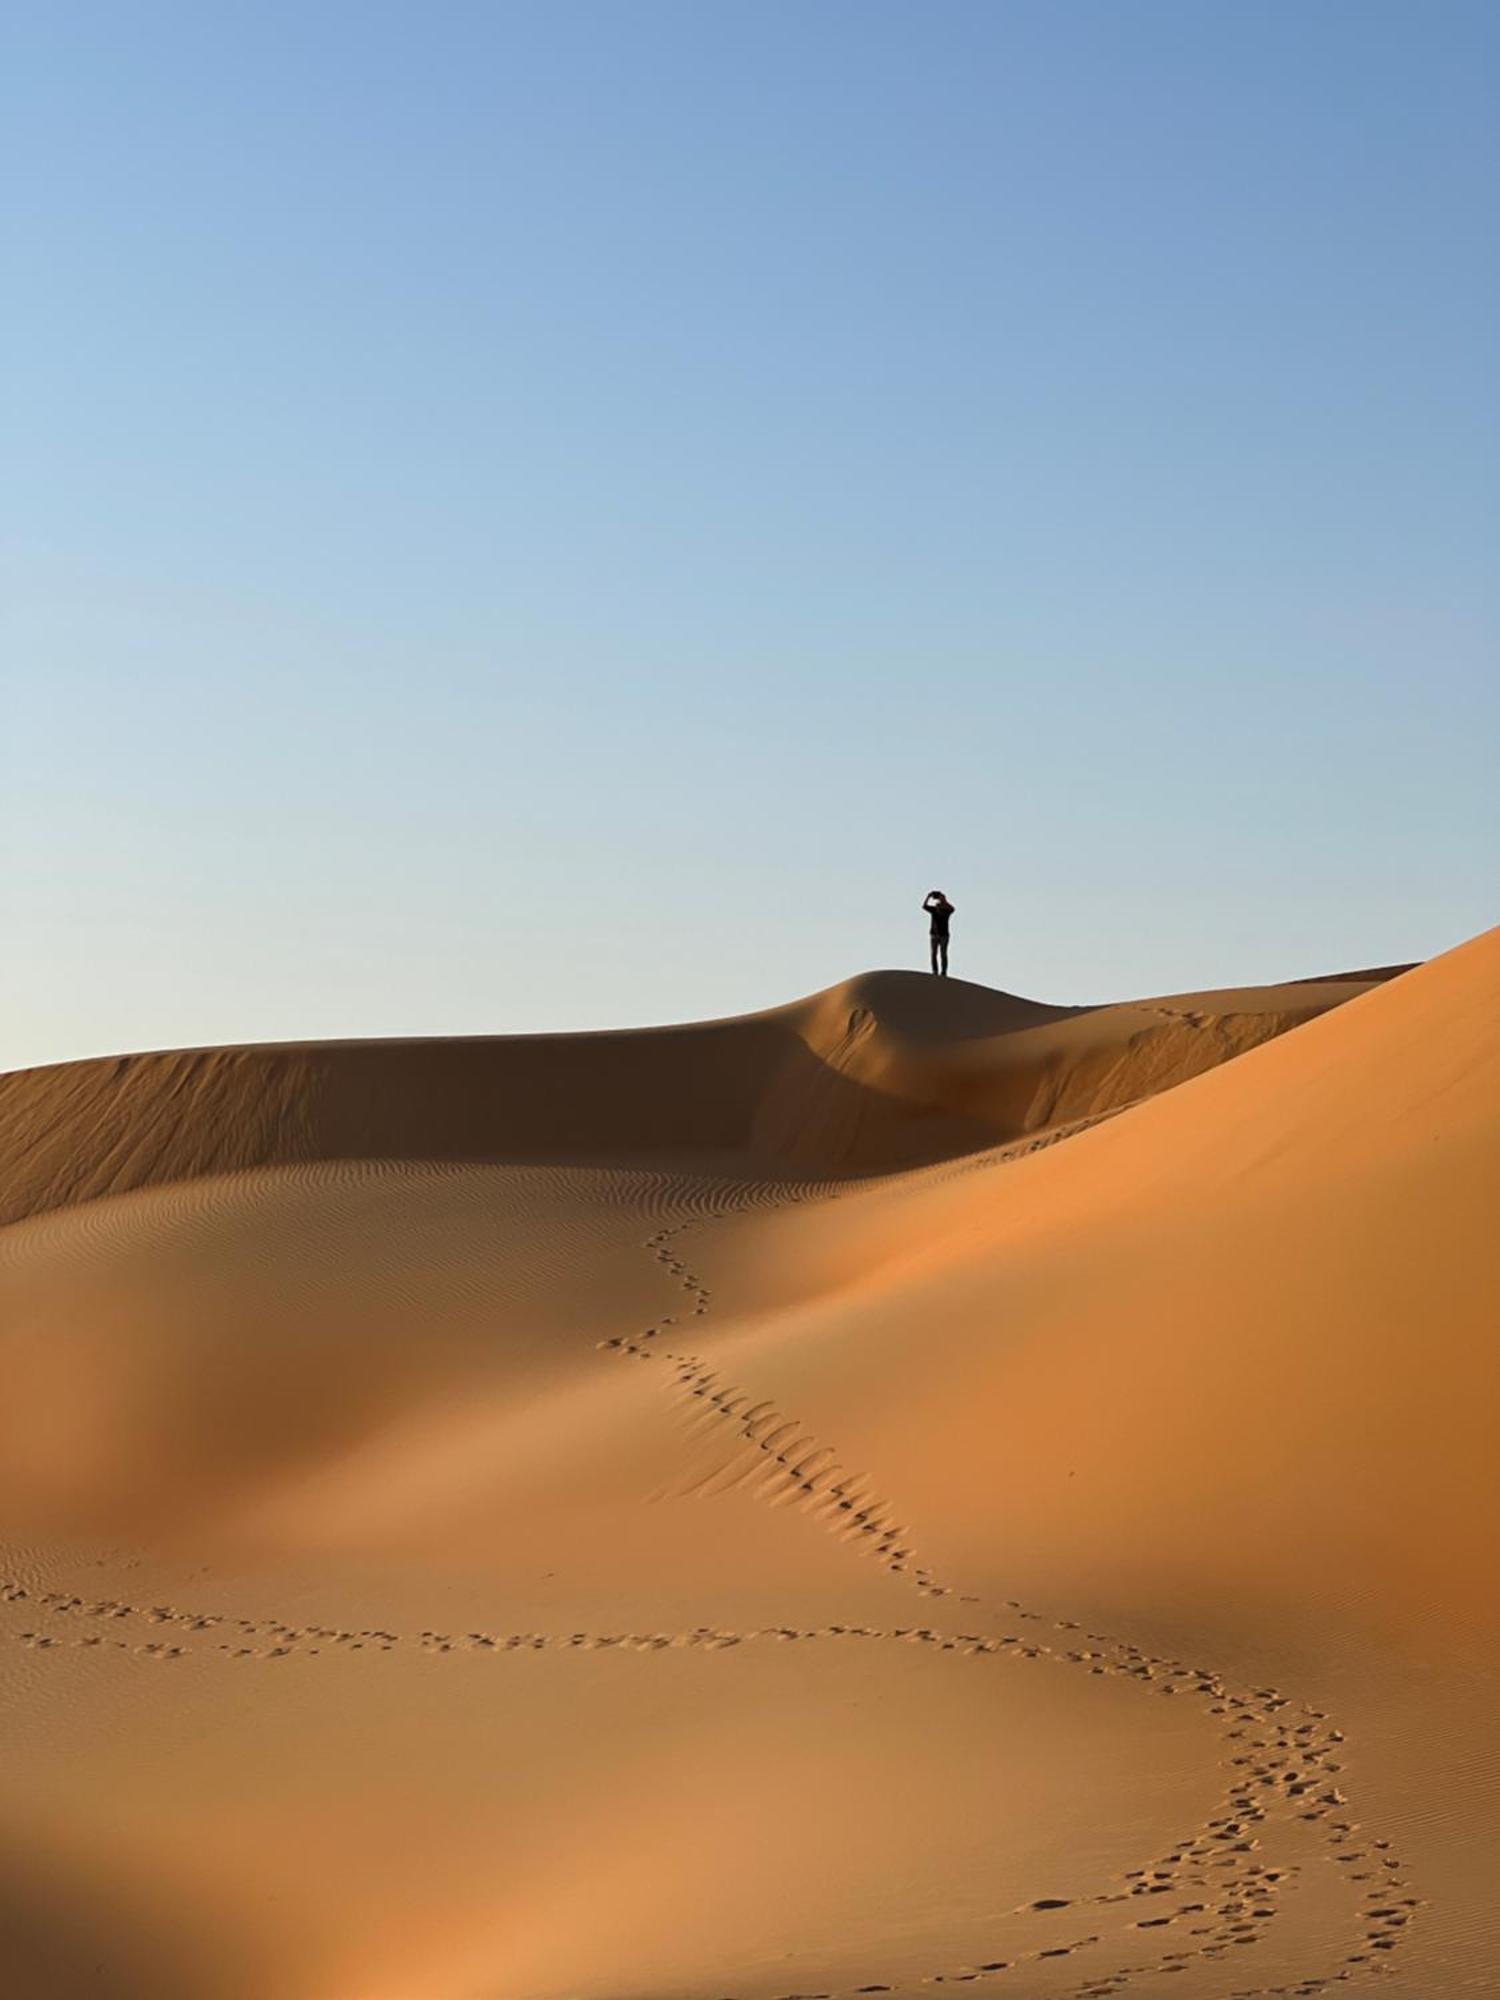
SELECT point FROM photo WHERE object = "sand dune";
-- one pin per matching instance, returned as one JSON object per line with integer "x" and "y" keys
{"x": 915, "y": 1487}
{"x": 890, "y": 1069}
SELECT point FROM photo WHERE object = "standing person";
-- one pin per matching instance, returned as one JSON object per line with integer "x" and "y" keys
{"x": 939, "y": 909}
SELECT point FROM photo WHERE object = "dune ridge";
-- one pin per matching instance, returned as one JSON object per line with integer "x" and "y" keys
{"x": 886, "y": 1070}
{"x": 653, "y": 1411}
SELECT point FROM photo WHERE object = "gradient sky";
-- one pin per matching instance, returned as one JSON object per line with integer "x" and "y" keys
{"x": 566, "y": 515}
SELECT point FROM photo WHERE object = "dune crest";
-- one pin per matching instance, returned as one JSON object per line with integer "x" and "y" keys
{"x": 891, "y": 1069}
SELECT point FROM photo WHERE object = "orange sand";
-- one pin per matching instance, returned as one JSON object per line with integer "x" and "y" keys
{"x": 915, "y": 1487}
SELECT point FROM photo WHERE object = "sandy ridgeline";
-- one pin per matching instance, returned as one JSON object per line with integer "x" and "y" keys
{"x": 910, "y": 1489}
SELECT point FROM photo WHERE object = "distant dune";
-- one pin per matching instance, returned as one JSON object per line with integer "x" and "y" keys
{"x": 914, "y": 1487}
{"x": 891, "y": 1069}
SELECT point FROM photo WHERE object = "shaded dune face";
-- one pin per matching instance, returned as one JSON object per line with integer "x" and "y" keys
{"x": 915, "y": 1488}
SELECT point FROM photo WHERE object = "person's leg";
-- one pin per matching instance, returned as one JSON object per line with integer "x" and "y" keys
{"x": 943, "y": 955}
{"x": 934, "y": 953}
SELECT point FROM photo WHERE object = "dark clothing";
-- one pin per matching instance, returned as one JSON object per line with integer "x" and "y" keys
{"x": 939, "y": 910}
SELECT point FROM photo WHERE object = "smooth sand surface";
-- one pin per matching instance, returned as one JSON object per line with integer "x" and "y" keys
{"x": 914, "y": 1488}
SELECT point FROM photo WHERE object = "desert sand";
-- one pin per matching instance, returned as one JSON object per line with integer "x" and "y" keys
{"x": 917, "y": 1487}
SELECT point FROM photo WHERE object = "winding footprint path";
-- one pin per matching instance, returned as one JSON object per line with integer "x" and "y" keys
{"x": 1284, "y": 1755}
{"x": 1213, "y": 1889}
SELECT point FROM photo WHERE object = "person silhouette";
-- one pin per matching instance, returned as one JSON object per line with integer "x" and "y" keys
{"x": 939, "y": 909}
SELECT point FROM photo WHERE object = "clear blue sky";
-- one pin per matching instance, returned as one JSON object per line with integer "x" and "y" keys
{"x": 559, "y": 515}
